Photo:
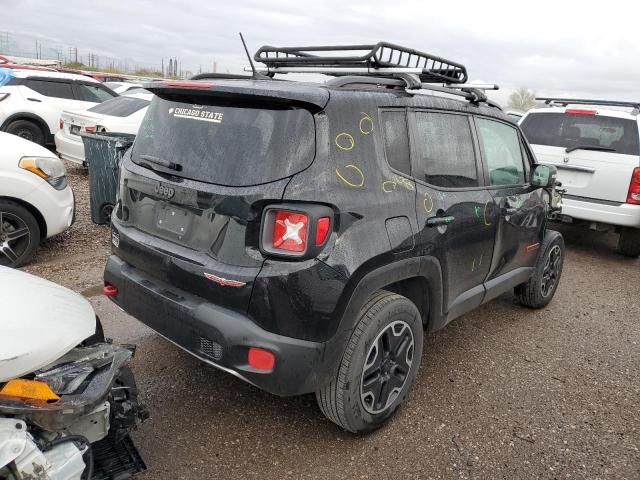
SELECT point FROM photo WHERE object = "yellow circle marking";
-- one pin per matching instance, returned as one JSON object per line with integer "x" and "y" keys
{"x": 341, "y": 138}
{"x": 392, "y": 187}
{"x": 356, "y": 169}
{"x": 484, "y": 214}
{"x": 424, "y": 202}
{"x": 369, "y": 120}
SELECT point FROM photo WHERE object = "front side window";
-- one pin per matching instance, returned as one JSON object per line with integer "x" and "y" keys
{"x": 52, "y": 88}
{"x": 445, "y": 152}
{"x": 503, "y": 154}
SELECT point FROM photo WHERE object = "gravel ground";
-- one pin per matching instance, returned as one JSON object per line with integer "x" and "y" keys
{"x": 503, "y": 392}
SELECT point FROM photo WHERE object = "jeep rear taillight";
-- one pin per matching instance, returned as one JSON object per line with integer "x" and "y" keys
{"x": 634, "y": 187}
{"x": 290, "y": 231}
{"x": 295, "y": 230}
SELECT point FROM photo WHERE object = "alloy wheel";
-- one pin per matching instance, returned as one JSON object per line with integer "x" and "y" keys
{"x": 387, "y": 366}
{"x": 551, "y": 271}
{"x": 15, "y": 238}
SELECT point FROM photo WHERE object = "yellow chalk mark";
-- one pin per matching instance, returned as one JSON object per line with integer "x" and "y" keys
{"x": 484, "y": 214}
{"x": 368, "y": 124}
{"x": 351, "y": 184}
{"x": 424, "y": 202}
{"x": 406, "y": 183}
{"x": 392, "y": 186}
{"x": 343, "y": 137}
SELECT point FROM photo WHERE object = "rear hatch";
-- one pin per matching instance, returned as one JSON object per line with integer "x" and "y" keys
{"x": 595, "y": 153}
{"x": 203, "y": 166}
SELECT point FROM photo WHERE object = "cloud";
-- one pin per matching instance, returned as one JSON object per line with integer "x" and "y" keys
{"x": 552, "y": 47}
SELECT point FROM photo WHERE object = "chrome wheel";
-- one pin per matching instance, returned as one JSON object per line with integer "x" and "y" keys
{"x": 15, "y": 238}
{"x": 387, "y": 366}
{"x": 551, "y": 271}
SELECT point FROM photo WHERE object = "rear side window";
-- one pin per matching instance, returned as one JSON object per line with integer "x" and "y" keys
{"x": 94, "y": 93}
{"x": 396, "y": 140}
{"x": 226, "y": 143}
{"x": 617, "y": 135}
{"x": 120, "y": 106}
{"x": 502, "y": 152}
{"x": 445, "y": 152}
{"x": 52, "y": 89}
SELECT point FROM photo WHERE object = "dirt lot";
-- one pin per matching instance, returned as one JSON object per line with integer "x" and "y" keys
{"x": 503, "y": 392}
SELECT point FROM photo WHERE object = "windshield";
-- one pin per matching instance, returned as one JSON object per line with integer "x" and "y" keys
{"x": 226, "y": 143}
{"x": 120, "y": 106}
{"x": 617, "y": 135}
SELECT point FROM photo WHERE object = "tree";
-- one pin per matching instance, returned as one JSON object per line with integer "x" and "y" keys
{"x": 522, "y": 100}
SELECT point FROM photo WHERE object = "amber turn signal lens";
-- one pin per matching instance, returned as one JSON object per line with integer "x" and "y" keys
{"x": 28, "y": 390}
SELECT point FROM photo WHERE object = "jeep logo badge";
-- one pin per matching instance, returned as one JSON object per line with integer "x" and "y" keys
{"x": 164, "y": 191}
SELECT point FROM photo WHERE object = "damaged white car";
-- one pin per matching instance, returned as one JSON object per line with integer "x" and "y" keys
{"x": 68, "y": 399}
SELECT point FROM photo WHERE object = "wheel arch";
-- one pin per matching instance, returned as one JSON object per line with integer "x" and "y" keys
{"x": 33, "y": 211}
{"x": 417, "y": 278}
{"x": 44, "y": 126}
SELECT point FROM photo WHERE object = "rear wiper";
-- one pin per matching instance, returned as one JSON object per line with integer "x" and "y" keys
{"x": 589, "y": 147}
{"x": 162, "y": 162}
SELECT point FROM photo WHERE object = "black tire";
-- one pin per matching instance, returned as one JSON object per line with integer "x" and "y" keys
{"x": 28, "y": 130}
{"x": 19, "y": 234}
{"x": 542, "y": 286}
{"x": 629, "y": 242}
{"x": 344, "y": 400}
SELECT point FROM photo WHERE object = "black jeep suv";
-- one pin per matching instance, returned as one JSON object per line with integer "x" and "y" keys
{"x": 302, "y": 237}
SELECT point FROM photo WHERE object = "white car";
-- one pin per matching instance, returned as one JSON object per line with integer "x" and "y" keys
{"x": 596, "y": 147}
{"x": 31, "y": 101}
{"x": 36, "y": 201}
{"x": 122, "y": 114}
{"x": 122, "y": 87}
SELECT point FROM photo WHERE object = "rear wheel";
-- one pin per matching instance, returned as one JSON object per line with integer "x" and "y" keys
{"x": 629, "y": 242}
{"x": 26, "y": 129}
{"x": 19, "y": 234}
{"x": 542, "y": 286}
{"x": 378, "y": 367}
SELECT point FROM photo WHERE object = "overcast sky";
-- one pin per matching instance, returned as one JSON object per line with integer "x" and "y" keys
{"x": 553, "y": 47}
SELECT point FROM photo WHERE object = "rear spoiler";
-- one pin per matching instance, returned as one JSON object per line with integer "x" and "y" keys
{"x": 286, "y": 93}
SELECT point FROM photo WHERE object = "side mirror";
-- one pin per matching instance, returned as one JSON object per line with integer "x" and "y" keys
{"x": 544, "y": 176}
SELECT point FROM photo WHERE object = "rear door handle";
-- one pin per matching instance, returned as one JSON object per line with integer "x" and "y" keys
{"x": 439, "y": 221}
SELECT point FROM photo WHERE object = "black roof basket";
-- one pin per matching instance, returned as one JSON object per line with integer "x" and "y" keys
{"x": 381, "y": 59}
{"x": 578, "y": 101}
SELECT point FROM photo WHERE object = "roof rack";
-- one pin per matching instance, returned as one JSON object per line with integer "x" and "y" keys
{"x": 220, "y": 76}
{"x": 577, "y": 101}
{"x": 381, "y": 59}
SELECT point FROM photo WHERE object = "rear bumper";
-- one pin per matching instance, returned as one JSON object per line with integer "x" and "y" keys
{"x": 622, "y": 215}
{"x": 218, "y": 336}
{"x": 69, "y": 149}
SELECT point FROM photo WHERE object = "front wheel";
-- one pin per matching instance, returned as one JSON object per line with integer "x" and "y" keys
{"x": 378, "y": 367}
{"x": 542, "y": 286}
{"x": 19, "y": 234}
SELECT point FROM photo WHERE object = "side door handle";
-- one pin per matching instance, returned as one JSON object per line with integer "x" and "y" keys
{"x": 439, "y": 221}
{"x": 509, "y": 210}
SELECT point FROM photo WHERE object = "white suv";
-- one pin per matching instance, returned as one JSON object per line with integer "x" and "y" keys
{"x": 31, "y": 101}
{"x": 596, "y": 147}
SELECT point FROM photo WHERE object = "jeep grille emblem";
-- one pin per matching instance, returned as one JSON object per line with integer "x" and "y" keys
{"x": 164, "y": 191}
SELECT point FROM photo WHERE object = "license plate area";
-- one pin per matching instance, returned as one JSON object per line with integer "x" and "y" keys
{"x": 173, "y": 219}
{"x": 74, "y": 129}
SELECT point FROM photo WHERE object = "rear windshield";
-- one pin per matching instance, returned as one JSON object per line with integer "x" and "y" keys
{"x": 225, "y": 143}
{"x": 568, "y": 130}
{"x": 120, "y": 106}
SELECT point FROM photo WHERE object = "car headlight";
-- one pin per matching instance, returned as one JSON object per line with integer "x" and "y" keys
{"x": 48, "y": 168}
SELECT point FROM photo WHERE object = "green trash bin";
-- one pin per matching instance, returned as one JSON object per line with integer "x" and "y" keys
{"x": 103, "y": 152}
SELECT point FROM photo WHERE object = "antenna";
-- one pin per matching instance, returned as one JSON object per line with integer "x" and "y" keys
{"x": 256, "y": 75}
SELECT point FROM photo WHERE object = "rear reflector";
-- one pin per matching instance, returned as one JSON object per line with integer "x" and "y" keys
{"x": 322, "y": 230}
{"x": 188, "y": 84}
{"x": 90, "y": 129}
{"x": 634, "y": 187}
{"x": 580, "y": 111}
{"x": 261, "y": 359}
{"x": 110, "y": 290}
{"x": 290, "y": 231}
